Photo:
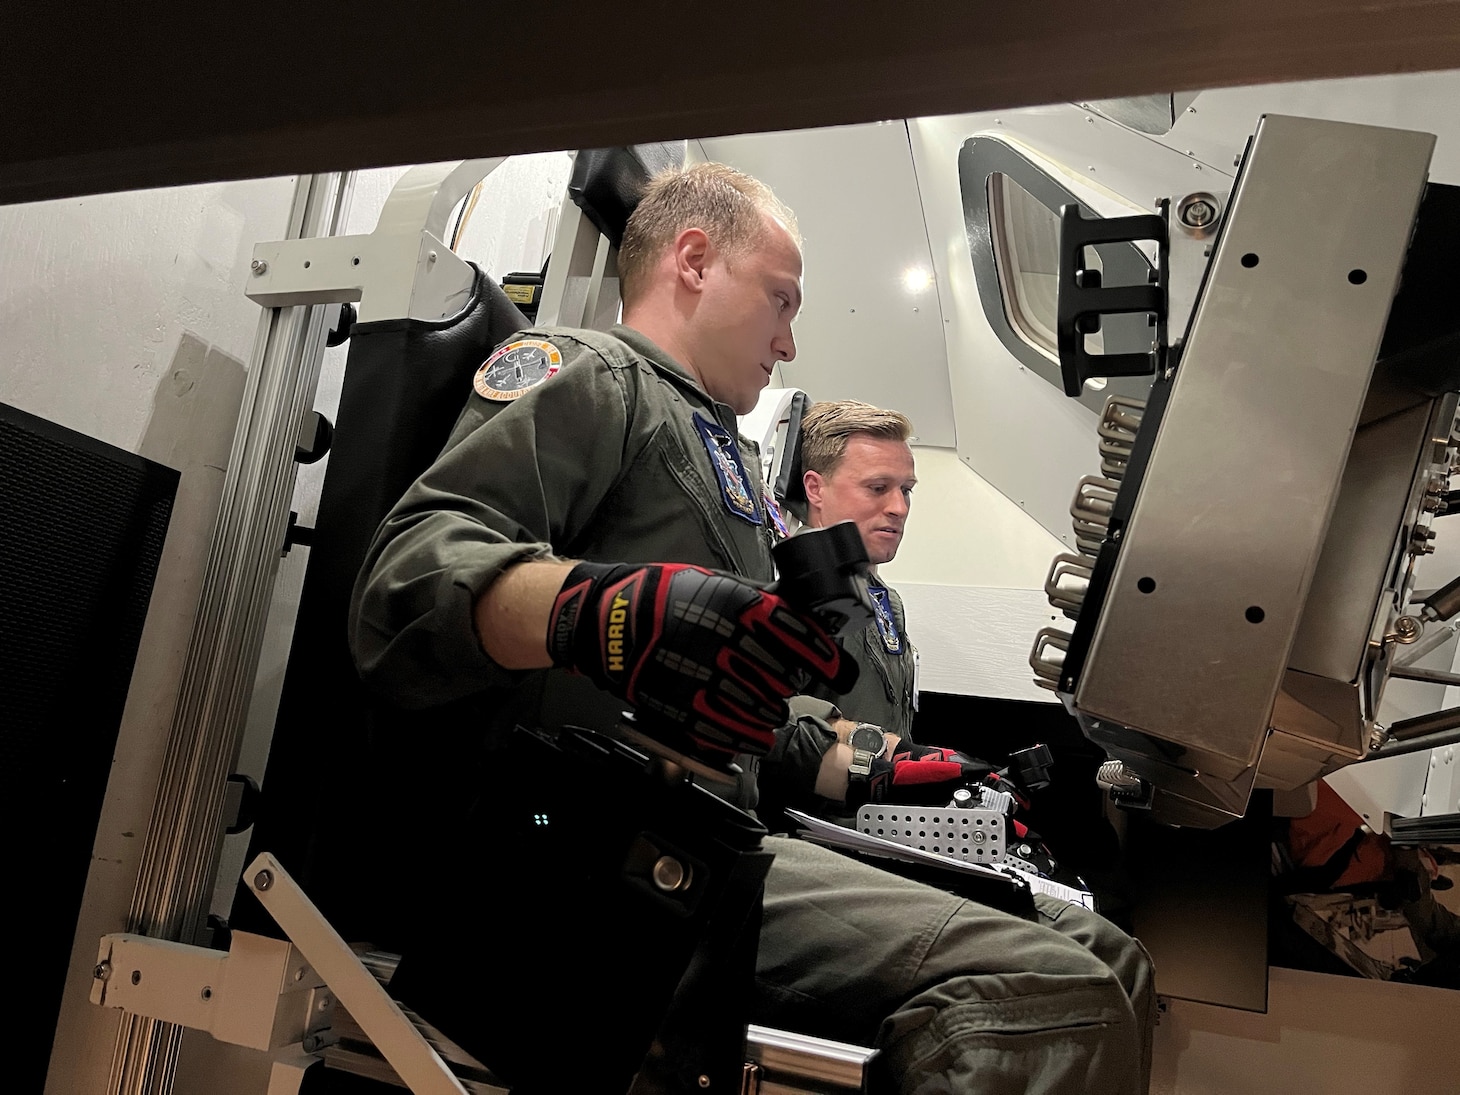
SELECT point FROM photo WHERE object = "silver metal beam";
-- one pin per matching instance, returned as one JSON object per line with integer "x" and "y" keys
{"x": 179, "y": 860}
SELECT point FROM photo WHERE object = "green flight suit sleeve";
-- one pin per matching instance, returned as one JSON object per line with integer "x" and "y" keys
{"x": 787, "y": 776}
{"x": 505, "y": 490}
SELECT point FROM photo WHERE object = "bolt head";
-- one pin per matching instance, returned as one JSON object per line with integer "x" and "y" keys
{"x": 101, "y": 971}
{"x": 263, "y": 880}
{"x": 259, "y": 267}
{"x": 670, "y": 875}
{"x": 1198, "y": 214}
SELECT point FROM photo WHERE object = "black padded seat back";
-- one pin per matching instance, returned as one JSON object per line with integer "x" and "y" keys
{"x": 339, "y": 804}
{"x": 608, "y": 182}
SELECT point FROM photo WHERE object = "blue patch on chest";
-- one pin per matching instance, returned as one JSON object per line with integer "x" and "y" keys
{"x": 736, "y": 487}
{"x": 886, "y": 621}
{"x": 774, "y": 518}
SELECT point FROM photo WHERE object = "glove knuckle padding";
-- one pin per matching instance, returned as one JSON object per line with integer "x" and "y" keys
{"x": 703, "y": 651}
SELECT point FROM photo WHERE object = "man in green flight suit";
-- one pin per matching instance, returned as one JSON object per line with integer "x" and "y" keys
{"x": 856, "y": 465}
{"x": 620, "y": 449}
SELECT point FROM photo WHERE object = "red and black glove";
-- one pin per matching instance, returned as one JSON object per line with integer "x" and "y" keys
{"x": 924, "y": 776}
{"x": 709, "y": 654}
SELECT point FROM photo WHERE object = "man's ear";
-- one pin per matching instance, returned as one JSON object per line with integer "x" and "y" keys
{"x": 812, "y": 482}
{"x": 692, "y": 253}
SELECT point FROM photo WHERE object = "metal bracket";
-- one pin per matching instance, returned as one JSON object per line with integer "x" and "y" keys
{"x": 402, "y": 270}
{"x": 1083, "y": 300}
{"x": 581, "y": 286}
{"x": 389, "y": 1029}
{"x": 260, "y": 993}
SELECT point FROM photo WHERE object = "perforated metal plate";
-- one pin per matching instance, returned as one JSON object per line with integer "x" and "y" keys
{"x": 973, "y": 835}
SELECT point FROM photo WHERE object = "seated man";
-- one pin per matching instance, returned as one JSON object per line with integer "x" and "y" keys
{"x": 841, "y": 751}
{"x": 856, "y": 466}
{"x": 550, "y": 563}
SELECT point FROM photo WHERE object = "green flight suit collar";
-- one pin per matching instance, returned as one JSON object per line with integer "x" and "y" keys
{"x": 648, "y": 349}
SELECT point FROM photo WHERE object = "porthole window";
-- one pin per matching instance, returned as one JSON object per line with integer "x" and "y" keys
{"x": 1011, "y": 212}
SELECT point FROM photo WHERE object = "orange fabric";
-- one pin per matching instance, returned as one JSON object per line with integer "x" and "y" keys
{"x": 1315, "y": 839}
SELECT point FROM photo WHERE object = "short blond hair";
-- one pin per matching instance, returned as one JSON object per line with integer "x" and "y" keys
{"x": 828, "y": 426}
{"x": 728, "y": 205}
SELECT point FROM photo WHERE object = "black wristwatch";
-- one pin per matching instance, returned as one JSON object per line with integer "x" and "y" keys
{"x": 868, "y": 743}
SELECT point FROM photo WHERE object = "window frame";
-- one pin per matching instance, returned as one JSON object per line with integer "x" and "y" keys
{"x": 984, "y": 156}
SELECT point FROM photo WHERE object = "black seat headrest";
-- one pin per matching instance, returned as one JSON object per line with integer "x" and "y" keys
{"x": 607, "y": 182}
{"x": 789, "y": 486}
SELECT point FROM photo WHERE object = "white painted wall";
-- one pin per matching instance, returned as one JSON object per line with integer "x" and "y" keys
{"x": 865, "y": 331}
{"x": 971, "y": 572}
{"x": 124, "y": 318}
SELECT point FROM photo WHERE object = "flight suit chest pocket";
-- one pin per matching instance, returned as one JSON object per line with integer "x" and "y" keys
{"x": 688, "y": 486}
{"x": 877, "y": 656}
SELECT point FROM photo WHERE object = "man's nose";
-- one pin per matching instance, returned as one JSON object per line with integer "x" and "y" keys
{"x": 899, "y": 504}
{"x": 784, "y": 345}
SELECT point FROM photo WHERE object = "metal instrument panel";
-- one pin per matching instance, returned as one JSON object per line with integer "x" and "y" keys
{"x": 1236, "y": 501}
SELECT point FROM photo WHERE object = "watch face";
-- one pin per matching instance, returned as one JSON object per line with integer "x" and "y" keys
{"x": 869, "y": 738}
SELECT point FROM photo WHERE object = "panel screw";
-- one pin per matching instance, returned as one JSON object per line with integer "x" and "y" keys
{"x": 704, "y": 1080}
{"x": 670, "y": 874}
{"x": 263, "y": 880}
{"x": 1198, "y": 214}
{"x": 101, "y": 971}
{"x": 259, "y": 267}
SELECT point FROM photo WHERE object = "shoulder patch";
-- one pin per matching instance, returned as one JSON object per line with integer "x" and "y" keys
{"x": 516, "y": 368}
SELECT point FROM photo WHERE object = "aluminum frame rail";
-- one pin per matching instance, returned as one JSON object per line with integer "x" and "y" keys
{"x": 179, "y": 860}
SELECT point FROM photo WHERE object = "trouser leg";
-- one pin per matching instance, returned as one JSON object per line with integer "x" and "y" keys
{"x": 1127, "y": 958}
{"x": 958, "y": 996}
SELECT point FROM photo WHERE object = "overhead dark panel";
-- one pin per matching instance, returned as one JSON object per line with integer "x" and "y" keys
{"x": 100, "y": 96}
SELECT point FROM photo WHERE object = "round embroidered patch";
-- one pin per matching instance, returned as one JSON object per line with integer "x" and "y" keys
{"x": 516, "y": 369}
